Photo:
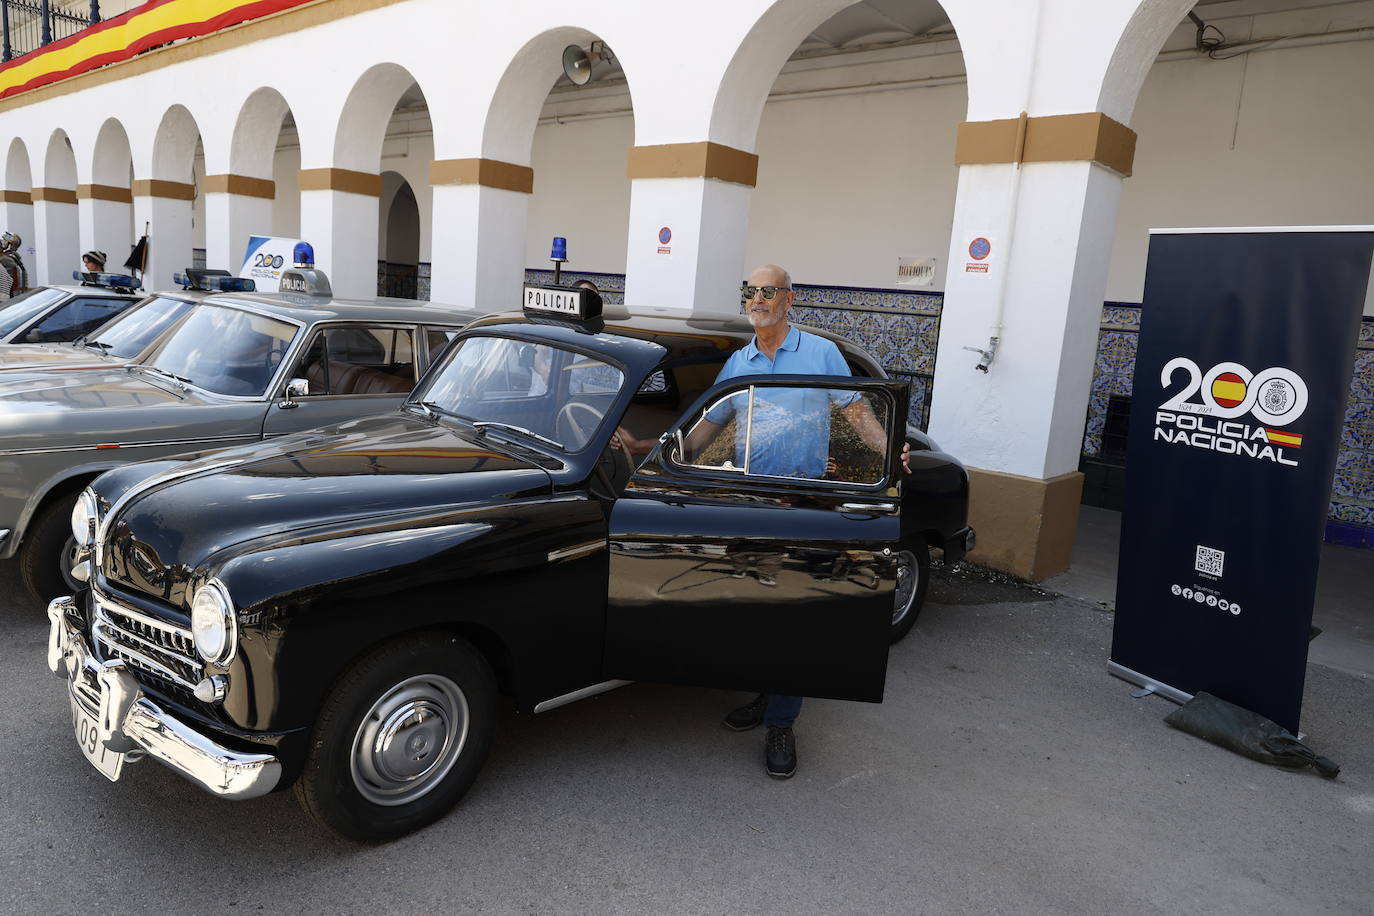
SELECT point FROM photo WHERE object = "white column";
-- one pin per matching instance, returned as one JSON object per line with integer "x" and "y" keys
{"x": 342, "y": 227}
{"x": 478, "y": 249}
{"x": 57, "y": 240}
{"x": 169, "y": 238}
{"x": 703, "y": 263}
{"x": 229, "y": 221}
{"x": 1024, "y": 416}
{"x": 104, "y": 226}
{"x": 18, "y": 218}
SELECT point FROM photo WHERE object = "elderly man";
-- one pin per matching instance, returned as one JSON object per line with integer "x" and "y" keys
{"x": 798, "y": 451}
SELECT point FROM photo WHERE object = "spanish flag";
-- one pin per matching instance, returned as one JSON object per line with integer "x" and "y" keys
{"x": 1279, "y": 437}
{"x": 140, "y": 29}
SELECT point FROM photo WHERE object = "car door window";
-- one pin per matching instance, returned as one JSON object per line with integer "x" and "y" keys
{"x": 76, "y": 317}
{"x": 24, "y": 307}
{"x": 811, "y": 433}
{"x": 438, "y": 338}
{"x": 358, "y": 359}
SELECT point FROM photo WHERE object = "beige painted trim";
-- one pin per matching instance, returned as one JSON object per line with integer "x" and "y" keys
{"x": 1090, "y": 136}
{"x": 1025, "y": 525}
{"x": 54, "y": 195}
{"x": 340, "y": 180}
{"x": 242, "y": 185}
{"x": 286, "y": 22}
{"x": 108, "y": 192}
{"x": 156, "y": 187}
{"x": 490, "y": 173}
{"x": 18, "y": 197}
{"x": 694, "y": 160}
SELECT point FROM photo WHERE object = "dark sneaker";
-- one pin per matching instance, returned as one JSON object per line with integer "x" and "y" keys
{"x": 780, "y": 753}
{"x": 747, "y": 716}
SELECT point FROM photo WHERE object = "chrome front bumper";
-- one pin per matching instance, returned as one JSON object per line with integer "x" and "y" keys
{"x": 129, "y": 722}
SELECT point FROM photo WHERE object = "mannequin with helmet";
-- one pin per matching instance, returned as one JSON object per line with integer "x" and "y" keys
{"x": 14, "y": 277}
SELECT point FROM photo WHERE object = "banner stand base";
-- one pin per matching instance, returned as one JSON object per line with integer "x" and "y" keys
{"x": 1150, "y": 684}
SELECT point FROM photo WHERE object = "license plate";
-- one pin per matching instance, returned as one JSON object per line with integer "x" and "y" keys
{"x": 108, "y": 762}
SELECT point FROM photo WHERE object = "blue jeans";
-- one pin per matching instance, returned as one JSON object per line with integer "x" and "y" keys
{"x": 782, "y": 711}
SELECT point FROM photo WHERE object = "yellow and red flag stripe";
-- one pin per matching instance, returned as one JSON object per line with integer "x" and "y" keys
{"x": 140, "y": 29}
{"x": 1279, "y": 437}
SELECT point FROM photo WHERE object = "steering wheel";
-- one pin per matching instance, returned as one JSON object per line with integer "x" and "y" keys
{"x": 566, "y": 414}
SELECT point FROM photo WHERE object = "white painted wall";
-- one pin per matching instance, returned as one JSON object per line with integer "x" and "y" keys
{"x": 848, "y": 184}
{"x": 581, "y": 192}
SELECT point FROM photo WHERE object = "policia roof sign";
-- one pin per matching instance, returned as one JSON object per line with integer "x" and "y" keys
{"x": 1246, "y": 349}
{"x": 576, "y": 303}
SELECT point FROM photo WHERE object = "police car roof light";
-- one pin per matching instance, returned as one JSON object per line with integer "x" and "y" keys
{"x": 198, "y": 278}
{"x": 303, "y": 255}
{"x": 232, "y": 284}
{"x": 107, "y": 280}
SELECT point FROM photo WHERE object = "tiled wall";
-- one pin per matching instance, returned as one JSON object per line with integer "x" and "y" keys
{"x": 1350, "y": 519}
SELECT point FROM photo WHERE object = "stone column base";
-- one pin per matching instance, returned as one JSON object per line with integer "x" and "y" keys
{"x": 1025, "y": 525}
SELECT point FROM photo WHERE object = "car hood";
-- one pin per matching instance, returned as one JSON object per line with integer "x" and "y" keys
{"x": 23, "y": 357}
{"x": 59, "y": 409}
{"x": 363, "y": 473}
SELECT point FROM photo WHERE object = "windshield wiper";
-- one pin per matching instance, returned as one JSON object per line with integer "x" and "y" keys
{"x": 484, "y": 425}
{"x": 428, "y": 408}
{"x": 181, "y": 382}
{"x": 95, "y": 345}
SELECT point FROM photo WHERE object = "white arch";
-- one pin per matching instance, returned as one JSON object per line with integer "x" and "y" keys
{"x": 18, "y": 174}
{"x": 1135, "y": 53}
{"x": 174, "y": 146}
{"x": 365, "y": 115}
{"x": 59, "y": 162}
{"x": 111, "y": 157}
{"x": 257, "y": 131}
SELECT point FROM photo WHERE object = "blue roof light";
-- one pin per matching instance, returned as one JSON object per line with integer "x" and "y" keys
{"x": 303, "y": 255}
{"x": 560, "y": 249}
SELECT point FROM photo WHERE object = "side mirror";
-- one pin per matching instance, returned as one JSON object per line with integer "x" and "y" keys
{"x": 34, "y": 336}
{"x": 296, "y": 388}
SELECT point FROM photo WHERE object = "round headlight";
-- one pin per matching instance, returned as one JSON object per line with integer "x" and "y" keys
{"x": 84, "y": 519}
{"x": 212, "y": 623}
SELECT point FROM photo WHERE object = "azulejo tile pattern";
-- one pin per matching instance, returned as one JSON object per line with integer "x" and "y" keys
{"x": 1351, "y": 516}
{"x": 611, "y": 286}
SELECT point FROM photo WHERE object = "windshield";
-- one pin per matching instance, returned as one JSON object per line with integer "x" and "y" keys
{"x": 553, "y": 393}
{"x": 131, "y": 333}
{"x": 225, "y": 350}
{"x": 23, "y": 308}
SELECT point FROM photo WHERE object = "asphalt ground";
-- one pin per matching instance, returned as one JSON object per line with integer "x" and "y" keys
{"x": 1005, "y": 773}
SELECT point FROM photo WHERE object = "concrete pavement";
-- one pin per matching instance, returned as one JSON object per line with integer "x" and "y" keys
{"x": 1005, "y": 773}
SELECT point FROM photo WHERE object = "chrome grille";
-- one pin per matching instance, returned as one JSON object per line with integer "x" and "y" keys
{"x": 147, "y": 645}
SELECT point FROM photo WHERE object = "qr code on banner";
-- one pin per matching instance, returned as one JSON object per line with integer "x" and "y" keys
{"x": 1209, "y": 560}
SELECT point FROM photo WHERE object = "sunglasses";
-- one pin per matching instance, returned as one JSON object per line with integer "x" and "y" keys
{"x": 769, "y": 292}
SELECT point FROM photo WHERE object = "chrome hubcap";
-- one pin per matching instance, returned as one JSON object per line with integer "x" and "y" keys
{"x": 908, "y": 577}
{"x": 409, "y": 740}
{"x": 70, "y": 557}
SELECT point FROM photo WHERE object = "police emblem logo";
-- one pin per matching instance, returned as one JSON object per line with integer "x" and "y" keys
{"x": 1278, "y": 395}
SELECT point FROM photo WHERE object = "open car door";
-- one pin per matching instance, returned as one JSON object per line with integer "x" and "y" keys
{"x": 756, "y": 547}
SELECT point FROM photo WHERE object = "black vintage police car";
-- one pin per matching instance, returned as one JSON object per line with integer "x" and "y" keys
{"x": 338, "y": 609}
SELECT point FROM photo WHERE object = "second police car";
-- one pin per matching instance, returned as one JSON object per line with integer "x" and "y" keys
{"x": 239, "y": 367}
{"x": 337, "y": 610}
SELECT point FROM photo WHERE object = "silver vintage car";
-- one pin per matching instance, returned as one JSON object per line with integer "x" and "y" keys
{"x": 240, "y": 367}
{"x": 125, "y": 337}
{"x": 62, "y": 313}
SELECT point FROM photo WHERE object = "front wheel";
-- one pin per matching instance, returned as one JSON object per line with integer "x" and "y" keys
{"x": 400, "y": 739}
{"x": 913, "y": 578}
{"x": 49, "y": 551}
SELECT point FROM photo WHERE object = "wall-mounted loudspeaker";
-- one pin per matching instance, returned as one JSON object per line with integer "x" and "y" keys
{"x": 577, "y": 63}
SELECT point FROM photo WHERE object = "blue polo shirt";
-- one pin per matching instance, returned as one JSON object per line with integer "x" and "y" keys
{"x": 790, "y": 426}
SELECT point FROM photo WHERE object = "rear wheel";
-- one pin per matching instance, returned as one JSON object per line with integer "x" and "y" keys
{"x": 913, "y": 578}
{"x": 400, "y": 739}
{"x": 49, "y": 551}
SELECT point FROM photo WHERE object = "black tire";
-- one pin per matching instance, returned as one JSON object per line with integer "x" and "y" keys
{"x": 46, "y": 552}
{"x": 910, "y": 595}
{"x": 405, "y": 689}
